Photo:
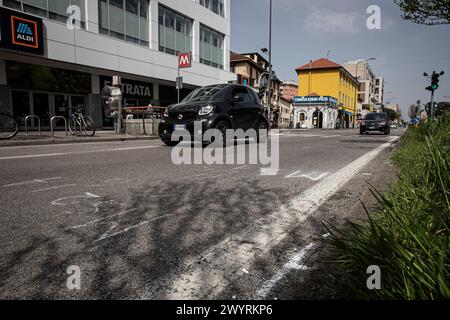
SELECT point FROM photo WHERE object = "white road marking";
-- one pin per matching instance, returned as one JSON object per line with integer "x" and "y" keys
{"x": 107, "y": 234}
{"x": 74, "y": 153}
{"x": 56, "y": 187}
{"x": 314, "y": 176}
{"x": 90, "y": 223}
{"x": 294, "y": 263}
{"x": 31, "y": 182}
{"x": 238, "y": 251}
{"x": 60, "y": 201}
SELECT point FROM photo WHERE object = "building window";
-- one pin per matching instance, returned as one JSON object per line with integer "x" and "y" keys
{"x": 175, "y": 32}
{"x": 211, "y": 47}
{"x": 50, "y": 9}
{"x": 125, "y": 20}
{"x": 216, "y": 6}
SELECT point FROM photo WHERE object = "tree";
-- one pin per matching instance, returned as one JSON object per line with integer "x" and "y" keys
{"x": 413, "y": 111}
{"x": 429, "y": 12}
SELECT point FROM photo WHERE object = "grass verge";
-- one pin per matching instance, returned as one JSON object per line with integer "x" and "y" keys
{"x": 409, "y": 238}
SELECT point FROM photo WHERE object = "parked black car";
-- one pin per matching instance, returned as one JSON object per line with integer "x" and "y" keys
{"x": 376, "y": 122}
{"x": 222, "y": 106}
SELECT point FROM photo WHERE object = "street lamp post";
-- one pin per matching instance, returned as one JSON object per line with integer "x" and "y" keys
{"x": 269, "y": 96}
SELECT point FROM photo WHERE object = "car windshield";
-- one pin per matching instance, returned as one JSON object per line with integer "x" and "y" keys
{"x": 204, "y": 94}
{"x": 376, "y": 117}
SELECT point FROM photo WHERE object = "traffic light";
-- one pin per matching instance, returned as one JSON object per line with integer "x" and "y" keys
{"x": 434, "y": 81}
{"x": 262, "y": 91}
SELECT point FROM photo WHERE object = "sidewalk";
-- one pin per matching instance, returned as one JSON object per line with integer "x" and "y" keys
{"x": 60, "y": 138}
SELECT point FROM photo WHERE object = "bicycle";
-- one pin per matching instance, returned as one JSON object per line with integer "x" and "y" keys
{"x": 77, "y": 120}
{"x": 8, "y": 126}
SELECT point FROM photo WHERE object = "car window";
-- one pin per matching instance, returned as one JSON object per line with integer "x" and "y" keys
{"x": 243, "y": 93}
{"x": 204, "y": 94}
{"x": 253, "y": 96}
{"x": 376, "y": 117}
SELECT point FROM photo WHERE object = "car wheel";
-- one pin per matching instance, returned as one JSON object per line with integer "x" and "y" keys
{"x": 223, "y": 126}
{"x": 262, "y": 132}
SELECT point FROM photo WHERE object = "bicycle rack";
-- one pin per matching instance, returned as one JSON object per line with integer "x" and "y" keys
{"x": 32, "y": 117}
{"x": 52, "y": 129}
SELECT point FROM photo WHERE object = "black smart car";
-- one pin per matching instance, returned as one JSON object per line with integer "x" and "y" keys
{"x": 376, "y": 122}
{"x": 222, "y": 107}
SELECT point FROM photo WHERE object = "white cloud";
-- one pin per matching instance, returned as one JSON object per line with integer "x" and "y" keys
{"x": 335, "y": 22}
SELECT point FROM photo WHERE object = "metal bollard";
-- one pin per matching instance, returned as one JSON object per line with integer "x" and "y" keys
{"x": 32, "y": 117}
{"x": 52, "y": 129}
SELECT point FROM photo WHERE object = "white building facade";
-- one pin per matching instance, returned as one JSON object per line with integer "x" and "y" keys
{"x": 136, "y": 39}
{"x": 314, "y": 112}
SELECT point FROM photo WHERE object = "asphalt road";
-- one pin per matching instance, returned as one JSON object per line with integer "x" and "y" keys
{"x": 139, "y": 226}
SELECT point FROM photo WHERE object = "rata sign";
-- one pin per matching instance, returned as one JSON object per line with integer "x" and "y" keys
{"x": 184, "y": 60}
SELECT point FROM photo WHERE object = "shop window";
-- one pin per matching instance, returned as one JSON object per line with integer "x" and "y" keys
{"x": 35, "y": 77}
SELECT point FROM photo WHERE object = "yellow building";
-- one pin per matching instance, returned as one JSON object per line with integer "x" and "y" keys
{"x": 326, "y": 78}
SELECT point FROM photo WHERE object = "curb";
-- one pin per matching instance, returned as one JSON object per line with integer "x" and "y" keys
{"x": 19, "y": 143}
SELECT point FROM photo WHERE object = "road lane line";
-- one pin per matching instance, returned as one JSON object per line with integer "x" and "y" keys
{"x": 75, "y": 153}
{"x": 295, "y": 263}
{"x": 239, "y": 251}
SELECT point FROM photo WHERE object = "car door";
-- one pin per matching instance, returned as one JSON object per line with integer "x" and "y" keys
{"x": 242, "y": 112}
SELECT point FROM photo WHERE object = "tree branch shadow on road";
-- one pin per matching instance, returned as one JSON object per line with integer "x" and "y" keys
{"x": 120, "y": 255}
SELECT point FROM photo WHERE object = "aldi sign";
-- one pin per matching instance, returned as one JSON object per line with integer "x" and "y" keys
{"x": 21, "y": 32}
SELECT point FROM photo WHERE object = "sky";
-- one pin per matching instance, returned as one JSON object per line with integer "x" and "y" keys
{"x": 305, "y": 30}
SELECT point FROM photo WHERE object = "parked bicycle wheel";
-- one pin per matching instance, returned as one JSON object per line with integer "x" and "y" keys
{"x": 73, "y": 125}
{"x": 8, "y": 126}
{"x": 89, "y": 127}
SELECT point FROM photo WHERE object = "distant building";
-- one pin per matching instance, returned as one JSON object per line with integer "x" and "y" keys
{"x": 289, "y": 90}
{"x": 327, "y": 96}
{"x": 251, "y": 70}
{"x": 371, "y": 90}
{"x": 285, "y": 113}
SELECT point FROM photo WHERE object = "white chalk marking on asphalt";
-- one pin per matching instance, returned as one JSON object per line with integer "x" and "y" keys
{"x": 52, "y": 188}
{"x": 294, "y": 174}
{"x": 191, "y": 281}
{"x": 294, "y": 263}
{"x": 87, "y": 195}
{"x": 31, "y": 182}
{"x": 313, "y": 177}
{"x": 305, "y": 148}
{"x": 106, "y": 235}
{"x": 90, "y": 223}
{"x": 75, "y": 153}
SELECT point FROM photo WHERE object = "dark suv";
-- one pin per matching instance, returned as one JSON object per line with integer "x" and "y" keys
{"x": 378, "y": 122}
{"x": 222, "y": 107}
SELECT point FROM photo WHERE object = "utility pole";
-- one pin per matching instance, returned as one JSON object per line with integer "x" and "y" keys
{"x": 270, "y": 66}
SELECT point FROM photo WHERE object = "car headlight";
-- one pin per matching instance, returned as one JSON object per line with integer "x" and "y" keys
{"x": 206, "y": 110}
{"x": 166, "y": 113}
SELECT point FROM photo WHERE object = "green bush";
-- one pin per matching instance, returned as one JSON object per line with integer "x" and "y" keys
{"x": 409, "y": 238}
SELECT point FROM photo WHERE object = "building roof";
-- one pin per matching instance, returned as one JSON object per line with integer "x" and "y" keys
{"x": 321, "y": 63}
{"x": 238, "y": 57}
